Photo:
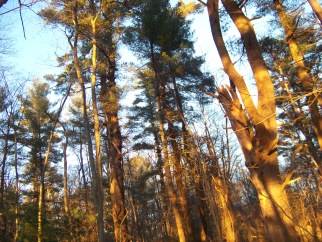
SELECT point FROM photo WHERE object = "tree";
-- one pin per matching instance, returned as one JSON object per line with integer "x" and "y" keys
{"x": 304, "y": 78}
{"x": 2, "y": 2}
{"x": 255, "y": 128}
{"x": 9, "y": 110}
{"x": 37, "y": 120}
{"x": 161, "y": 35}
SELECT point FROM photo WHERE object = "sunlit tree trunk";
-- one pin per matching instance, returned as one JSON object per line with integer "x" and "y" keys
{"x": 255, "y": 128}
{"x": 176, "y": 161}
{"x": 82, "y": 169}
{"x": 306, "y": 81}
{"x": 168, "y": 176}
{"x": 98, "y": 169}
{"x": 16, "y": 189}
{"x": 65, "y": 178}
{"x": 316, "y": 8}
{"x": 160, "y": 165}
{"x": 227, "y": 216}
{"x": 190, "y": 155}
{"x": 164, "y": 145}
{"x": 110, "y": 98}
{"x": 95, "y": 176}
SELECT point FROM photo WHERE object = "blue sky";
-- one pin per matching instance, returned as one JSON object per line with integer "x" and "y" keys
{"x": 35, "y": 56}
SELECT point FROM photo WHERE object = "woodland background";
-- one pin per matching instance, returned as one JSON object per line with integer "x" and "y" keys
{"x": 163, "y": 146}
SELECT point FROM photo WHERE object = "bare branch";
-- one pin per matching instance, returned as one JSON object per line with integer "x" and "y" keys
{"x": 202, "y": 2}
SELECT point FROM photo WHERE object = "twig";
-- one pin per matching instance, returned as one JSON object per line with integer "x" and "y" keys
{"x": 23, "y": 26}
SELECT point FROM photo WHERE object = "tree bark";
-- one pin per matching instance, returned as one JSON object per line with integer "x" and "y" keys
{"x": 171, "y": 189}
{"x": 98, "y": 168}
{"x": 255, "y": 128}
{"x": 109, "y": 98}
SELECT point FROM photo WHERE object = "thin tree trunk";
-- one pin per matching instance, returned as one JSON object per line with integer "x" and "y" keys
{"x": 176, "y": 161}
{"x": 167, "y": 168}
{"x": 3, "y": 212}
{"x": 81, "y": 163}
{"x": 160, "y": 164}
{"x": 190, "y": 153}
{"x": 40, "y": 203}
{"x": 221, "y": 188}
{"x": 99, "y": 189}
{"x": 43, "y": 168}
{"x": 16, "y": 191}
{"x": 65, "y": 179}
{"x": 168, "y": 176}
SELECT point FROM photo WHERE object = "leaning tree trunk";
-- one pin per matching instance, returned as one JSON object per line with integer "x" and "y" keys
{"x": 178, "y": 174}
{"x": 168, "y": 176}
{"x": 189, "y": 153}
{"x": 255, "y": 127}
{"x": 305, "y": 80}
{"x": 95, "y": 180}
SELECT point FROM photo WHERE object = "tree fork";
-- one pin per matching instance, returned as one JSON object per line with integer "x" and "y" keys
{"x": 259, "y": 150}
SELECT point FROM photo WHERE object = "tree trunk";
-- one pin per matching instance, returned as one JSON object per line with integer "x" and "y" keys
{"x": 43, "y": 167}
{"x": 306, "y": 81}
{"x": 168, "y": 176}
{"x": 167, "y": 162}
{"x": 98, "y": 168}
{"x": 65, "y": 179}
{"x": 255, "y": 128}
{"x": 316, "y": 9}
{"x": 3, "y": 212}
{"x": 16, "y": 190}
{"x": 40, "y": 203}
{"x": 160, "y": 164}
{"x": 109, "y": 98}
{"x": 176, "y": 161}
{"x": 219, "y": 181}
{"x": 95, "y": 176}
